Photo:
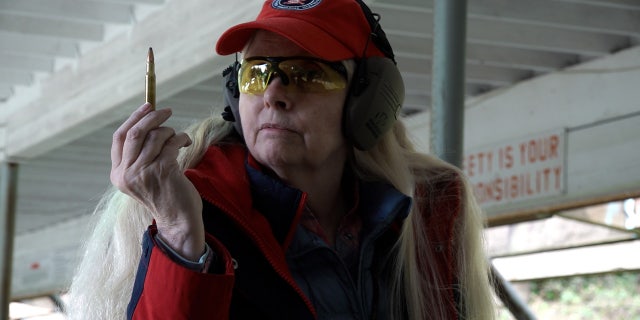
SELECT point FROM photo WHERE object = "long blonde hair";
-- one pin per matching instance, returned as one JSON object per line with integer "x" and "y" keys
{"x": 415, "y": 292}
{"x": 103, "y": 282}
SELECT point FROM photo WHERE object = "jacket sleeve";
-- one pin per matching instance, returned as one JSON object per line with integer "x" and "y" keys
{"x": 164, "y": 289}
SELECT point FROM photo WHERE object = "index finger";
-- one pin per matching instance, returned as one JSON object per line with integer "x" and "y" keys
{"x": 120, "y": 135}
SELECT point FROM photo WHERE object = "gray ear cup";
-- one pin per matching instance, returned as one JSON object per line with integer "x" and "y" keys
{"x": 231, "y": 96}
{"x": 374, "y": 103}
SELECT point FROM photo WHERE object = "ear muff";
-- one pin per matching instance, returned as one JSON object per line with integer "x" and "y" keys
{"x": 374, "y": 101}
{"x": 376, "y": 93}
{"x": 231, "y": 96}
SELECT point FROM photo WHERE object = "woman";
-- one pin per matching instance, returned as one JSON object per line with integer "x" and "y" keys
{"x": 281, "y": 217}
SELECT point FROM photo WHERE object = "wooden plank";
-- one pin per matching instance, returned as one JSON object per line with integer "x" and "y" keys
{"x": 607, "y": 258}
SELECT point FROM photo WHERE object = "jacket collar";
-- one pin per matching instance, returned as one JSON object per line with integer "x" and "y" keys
{"x": 229, "y": 178}
{"x": 280, "y": 204}
{"x": 379, "y": 203}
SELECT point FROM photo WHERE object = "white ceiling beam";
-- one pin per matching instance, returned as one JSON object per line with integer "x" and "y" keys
{"x": 37, "y": 45}
{"x": 408, "y": 109}
{"x": 97, "y": 154}
{"x": 70, "y": 202}
{"x": 108, "y": 82}
{"x": 492, "y": 74}
{"x": 136, "y": 1}
{"x": 517, "y": 58}
{"x": 56, "y": 165}
{"x": 48, "y": 164}
{"x": 51, "y": 27}
{"x": 50, "y": 211}
{"x": 5, "y": 91}
{"x": 71, "y": 10}
{"x": 83, "y": 158}
{"x": 428, "y": 4}
{"x": 59, "y": 213}
{"x": 191, "y": 108}
{"x": 62, "y": 190}
{"x": 11, "y": 61}
{"x": 559, "y": 14}
{"x": 541, "y": 38}
{"x": 506, "y": 33}
{"x": 373, "y": 4}
{"x": 495, "y": 74}
{"x": 86, "y": 188}
{"x": 493, "y": 55}
{"x": 80, "y": 159}
{"x": 481, "y": 81}
{"x": 490, "y": 55}
{"x": 420, "y": 84}
{"x": 15, "y": 77}
{"x": 191, "y": 95}
{"x": 394, "y": 18}
{"x": 212, "y": 84}
{"x": 620, "y": 4}
{"x": 417, "y": 101}
{"x": 73, "y": 182}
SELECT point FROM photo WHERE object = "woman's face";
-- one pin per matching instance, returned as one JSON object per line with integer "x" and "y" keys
{"x": 287, "y": 130}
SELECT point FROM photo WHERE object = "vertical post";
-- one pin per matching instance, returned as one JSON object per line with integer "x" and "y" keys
{"x": 447, "y": 85}
{"x": 8, "y": 190}
{"x": 510, "y": 298}
{"x": 447, "y": 111}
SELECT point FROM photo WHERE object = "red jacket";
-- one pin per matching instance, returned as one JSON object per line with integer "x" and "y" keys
{"x": 166, "y": 290}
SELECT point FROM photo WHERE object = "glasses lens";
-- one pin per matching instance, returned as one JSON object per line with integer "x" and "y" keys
{"x": 306, "y": 75}
{"x": 312, "y": 76}
{"x": 253, "y": 76}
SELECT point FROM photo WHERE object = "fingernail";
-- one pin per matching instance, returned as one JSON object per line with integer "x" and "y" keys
{"x": 145, "y": 107}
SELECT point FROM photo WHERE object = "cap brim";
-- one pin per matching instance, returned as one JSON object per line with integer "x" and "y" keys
{"x": 303, "y": 33}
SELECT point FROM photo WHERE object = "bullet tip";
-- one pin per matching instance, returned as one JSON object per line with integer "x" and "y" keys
{"x": 150, "y": 55}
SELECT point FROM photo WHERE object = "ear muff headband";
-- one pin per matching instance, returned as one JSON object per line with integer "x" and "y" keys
{"x": 375, "y": 96}
{"x": 231, "y": 96}
{"x": 374, "y": 103}
{"x": 376, "y": 93}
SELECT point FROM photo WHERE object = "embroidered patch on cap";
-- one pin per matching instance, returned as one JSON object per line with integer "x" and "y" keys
{"x": 294, "y": 4}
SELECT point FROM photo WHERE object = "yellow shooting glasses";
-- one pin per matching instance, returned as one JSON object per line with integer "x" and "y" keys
{"x": 298, "y": 74}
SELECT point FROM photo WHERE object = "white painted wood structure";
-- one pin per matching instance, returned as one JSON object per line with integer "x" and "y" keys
{"x": 71, "y": 70}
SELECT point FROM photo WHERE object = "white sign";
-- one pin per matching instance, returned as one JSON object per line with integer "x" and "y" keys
{"x": 40, "y": 272}
{"x": 522, "y": 169}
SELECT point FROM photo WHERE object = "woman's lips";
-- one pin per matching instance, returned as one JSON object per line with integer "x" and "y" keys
{"x": 275, "y": 127}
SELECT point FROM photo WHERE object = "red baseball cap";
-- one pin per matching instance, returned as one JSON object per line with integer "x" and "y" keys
{"x": 328, "y": 29}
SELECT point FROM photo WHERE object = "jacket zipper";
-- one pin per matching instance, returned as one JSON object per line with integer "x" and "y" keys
{"x": 352, "y": 282}
{"x": 263, "y": 248}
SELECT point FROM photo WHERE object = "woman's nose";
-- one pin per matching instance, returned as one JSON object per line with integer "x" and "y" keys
{"x": 275, "y": 96}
